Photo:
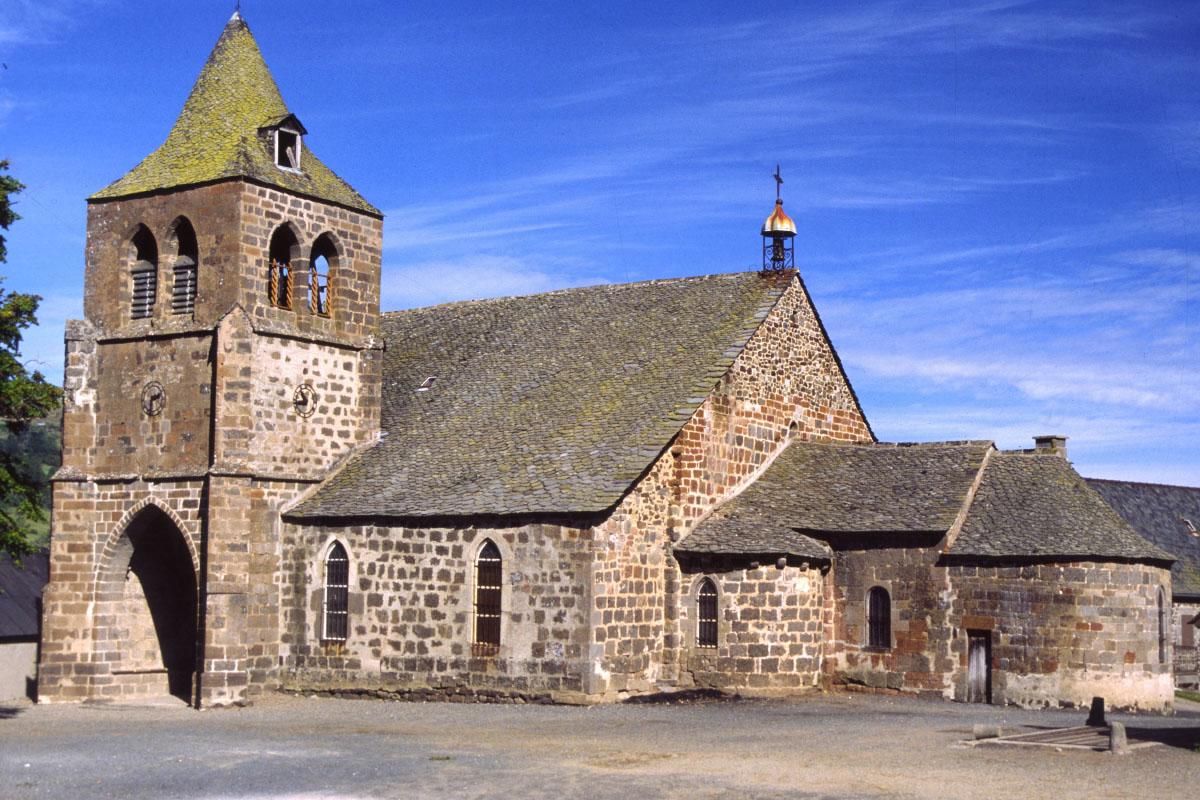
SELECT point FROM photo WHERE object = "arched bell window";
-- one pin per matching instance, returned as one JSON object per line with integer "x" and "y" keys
{"x": 183, "y": 288}
{"x": 879, "y": 617}
{"x": 489, "y": 588}
{"x": 706, "y": 614}
{"x": 324, "y": 255}
{"x": 144, "y": 273}
{"x": 279, "y": 272}
{"x": 336, "y": 606}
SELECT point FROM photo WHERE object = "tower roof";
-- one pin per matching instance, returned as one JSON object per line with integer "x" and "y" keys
{"x": 779, "y": 223}
{"x": 217, "y": 135}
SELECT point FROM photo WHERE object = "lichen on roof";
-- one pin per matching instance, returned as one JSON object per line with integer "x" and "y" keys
{"x": 216, "y": 136}
{"x": 551, "y": 403}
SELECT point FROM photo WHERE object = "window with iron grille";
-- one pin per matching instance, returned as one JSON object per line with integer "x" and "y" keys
{"x": 489, "y": 585}
{"x": 706, "y": 614}
{"x": 879, "y": 618}
{"x": 337, "y": 595}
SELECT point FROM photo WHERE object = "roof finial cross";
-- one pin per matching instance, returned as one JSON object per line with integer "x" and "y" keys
{"x": 778, "y": 181}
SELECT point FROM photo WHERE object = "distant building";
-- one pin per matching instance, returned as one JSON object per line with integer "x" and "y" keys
{"x": 576, "y": 496}
{"x": 1168, "y": 516}
{"x": 20, "y": 623}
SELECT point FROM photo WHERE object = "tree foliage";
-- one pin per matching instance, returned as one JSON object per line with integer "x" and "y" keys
{"x": 24, "y": 396}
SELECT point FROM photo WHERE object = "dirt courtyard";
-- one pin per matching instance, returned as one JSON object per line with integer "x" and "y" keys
{"x": 822, "y": 746}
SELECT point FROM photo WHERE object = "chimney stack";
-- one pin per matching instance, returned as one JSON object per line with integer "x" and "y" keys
{"x": 1050, "y": 445}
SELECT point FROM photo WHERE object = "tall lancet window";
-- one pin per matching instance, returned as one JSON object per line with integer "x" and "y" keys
{"x": 279, "y": 275}
{"x": 706, "y": 614}
{"x": 336, "y": 605}
{"x": 489, "y": 587}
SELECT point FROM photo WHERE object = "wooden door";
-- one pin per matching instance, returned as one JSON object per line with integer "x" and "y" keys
{"x": 979, "y": 666}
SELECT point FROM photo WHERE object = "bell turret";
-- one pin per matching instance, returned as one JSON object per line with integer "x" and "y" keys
{"x": 778, "y": 232}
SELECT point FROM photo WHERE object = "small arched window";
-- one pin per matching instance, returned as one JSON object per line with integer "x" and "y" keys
{"x": 489, "y": 585}
{"x": 706, "y": 614}
{"x": 279, "y": 276}
{"x": 879, "y": 617}
{"x": 144, "y": 273}
{"x": 183, "y": 289}
{"x": 324, "y": 253}
{"x": 336, "y": 606}
{"x": 1162, "y": 627}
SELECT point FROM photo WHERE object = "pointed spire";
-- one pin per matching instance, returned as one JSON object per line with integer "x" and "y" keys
{"x": 220, "y": 132}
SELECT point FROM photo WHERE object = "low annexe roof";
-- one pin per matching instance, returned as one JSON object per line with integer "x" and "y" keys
{"x": 1038, "y": 506}
{"x": 1167, "y": 516}
{"x": 550, "y": 403}
{"x": 819, "y": 489}
{"x": 21, "y": 594}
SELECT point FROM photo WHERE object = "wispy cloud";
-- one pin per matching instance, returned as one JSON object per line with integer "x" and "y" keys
{"x": 473, "y": 277}
{"x": 39, "y": 21}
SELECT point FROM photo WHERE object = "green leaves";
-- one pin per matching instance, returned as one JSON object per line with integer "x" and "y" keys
{"x": 24, "y": 396}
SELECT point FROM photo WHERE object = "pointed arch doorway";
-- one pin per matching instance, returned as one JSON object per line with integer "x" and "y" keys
{"x": 148, "y": 603}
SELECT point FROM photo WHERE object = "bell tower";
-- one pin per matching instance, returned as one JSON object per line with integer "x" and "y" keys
{"x": 227, "y": 360}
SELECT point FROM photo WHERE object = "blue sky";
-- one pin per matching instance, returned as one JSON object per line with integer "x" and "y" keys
{"x": 997, "y": 202}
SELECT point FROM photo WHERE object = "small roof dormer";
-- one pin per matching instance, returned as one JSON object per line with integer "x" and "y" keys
{"x": 235, "y": 124}
{"x": 284, "y": 138}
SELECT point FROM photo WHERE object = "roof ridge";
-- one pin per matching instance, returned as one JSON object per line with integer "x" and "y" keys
{"x": 482, "y": 301}
{"x": 1146, "y": 483}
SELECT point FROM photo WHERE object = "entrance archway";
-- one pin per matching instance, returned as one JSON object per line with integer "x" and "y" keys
{"x": 149, "y": 596}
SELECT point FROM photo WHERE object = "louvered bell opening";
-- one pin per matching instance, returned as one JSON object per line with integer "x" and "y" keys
{"x": 145, "y": 289}
{"x": 488, "y": 588}
{"x": 337, "y": 595}
{"x": 183, "y": 292}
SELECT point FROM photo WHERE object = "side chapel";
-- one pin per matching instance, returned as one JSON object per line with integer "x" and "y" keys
{"x": 572, "y": 497}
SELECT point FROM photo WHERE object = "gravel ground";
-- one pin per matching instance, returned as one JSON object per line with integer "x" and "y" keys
{"x": 823, "y": 746}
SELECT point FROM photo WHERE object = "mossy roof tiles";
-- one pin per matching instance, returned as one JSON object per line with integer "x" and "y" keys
{"x": 216, "y": 136}
{"x": 817, "y": 488}
{"x": 1158, "y": 513}
{"x": 1039, "y": 506}
{"x": 551, "y": 403}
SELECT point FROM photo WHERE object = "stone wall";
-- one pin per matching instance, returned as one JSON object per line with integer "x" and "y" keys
{"x": 412, "y": 612}
{"x": 233, "y": 222}
{"x": 1062, "y": 634}
{"x": 918, "y": 659}
{"x": 769, "y": 636}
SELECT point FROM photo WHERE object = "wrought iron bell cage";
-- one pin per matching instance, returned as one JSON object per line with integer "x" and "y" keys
{"x": 777, "y": 251}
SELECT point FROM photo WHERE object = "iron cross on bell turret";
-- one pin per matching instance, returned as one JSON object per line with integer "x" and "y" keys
{"x": 778, "y": 232}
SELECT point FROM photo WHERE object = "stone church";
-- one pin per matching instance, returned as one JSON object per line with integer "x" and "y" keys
{"x": 576, "y": 497}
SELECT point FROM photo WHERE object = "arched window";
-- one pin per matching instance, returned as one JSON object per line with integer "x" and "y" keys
{"x": 706, "y": 614}
{"x": 279, "y": 278}
{"x": 879, "y": 618}
{"x": 144, "y": 273}
{"x": 489, "y": 570}
{"x": 183, "y": 289}
{"x": 337, "y": 595}
{"x": 1162, "y": 627}
{"x": 323, "y": 254}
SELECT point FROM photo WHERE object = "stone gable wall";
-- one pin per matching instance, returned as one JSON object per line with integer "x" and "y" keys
{"x": 1062, "y": 634}
{"x": 786, "y": 383}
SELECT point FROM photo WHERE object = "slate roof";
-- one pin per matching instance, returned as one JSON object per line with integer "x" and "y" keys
{"x": 553, "y": 403}
{"x": 1039, "y": 506}
{"x": 1157, "y": 512}
{"x": 20, "y": 594}
{"x": 822, "y": 488}
{"x": 216, "y": 136}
